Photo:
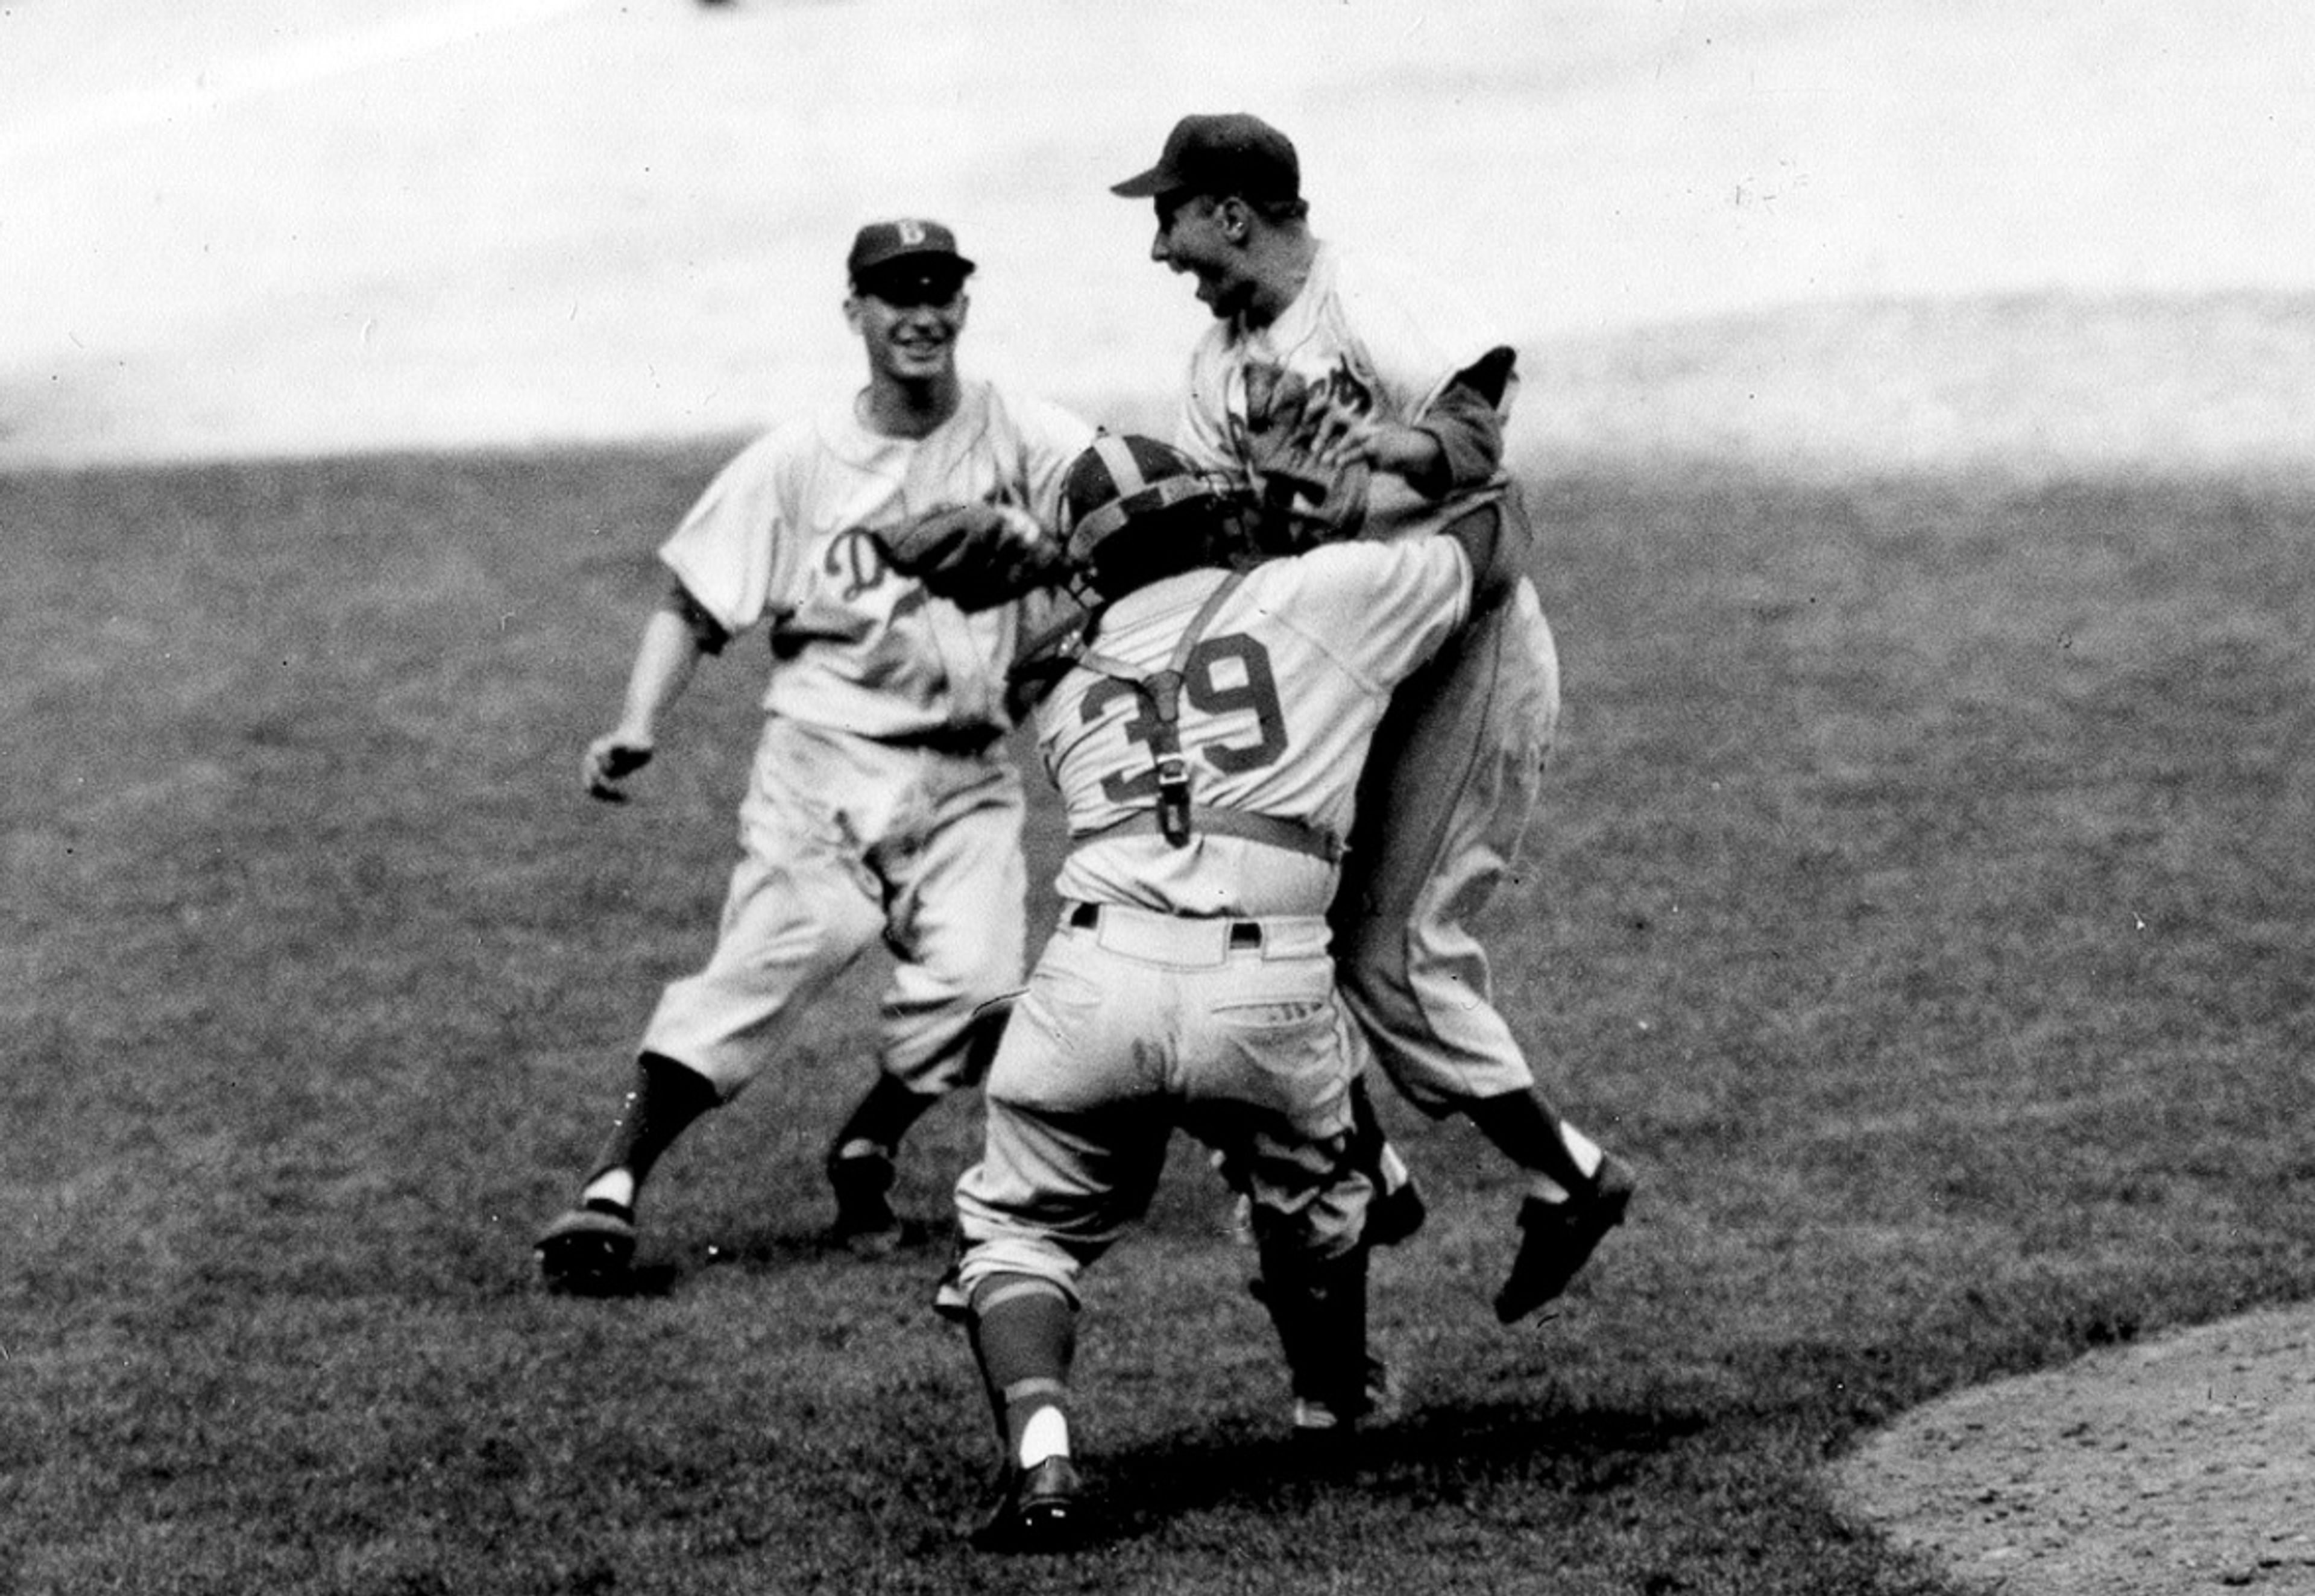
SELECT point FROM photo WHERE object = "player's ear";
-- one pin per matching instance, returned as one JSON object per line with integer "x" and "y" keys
{"x": 852, "y": 311}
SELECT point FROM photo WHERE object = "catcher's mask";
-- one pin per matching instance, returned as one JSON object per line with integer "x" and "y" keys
{"x": 1135, "y": 511}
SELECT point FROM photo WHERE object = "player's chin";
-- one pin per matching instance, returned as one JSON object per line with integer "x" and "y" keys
{"x": 1224, "y": 300}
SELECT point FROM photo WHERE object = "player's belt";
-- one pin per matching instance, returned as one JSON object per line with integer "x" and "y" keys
{"x": 1295, "y": 836}
{"x": 1191, "y": 941}
{"x": 1236, "y": 934}
{"x": 965, "y": 740}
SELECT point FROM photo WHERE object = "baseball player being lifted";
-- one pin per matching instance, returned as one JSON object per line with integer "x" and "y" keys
{"x": 880, "y": 804}
{"x": 1318, "y": 391}
{"x": 1206, "y": 740}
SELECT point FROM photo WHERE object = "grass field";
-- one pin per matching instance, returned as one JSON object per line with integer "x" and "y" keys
{"x": 1922, "y": 899}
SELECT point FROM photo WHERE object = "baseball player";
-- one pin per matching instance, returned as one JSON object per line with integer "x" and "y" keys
{"x": 1322, "y": 393}
{"x": 880, "y": 805}
{"x": 1206, "y": 740}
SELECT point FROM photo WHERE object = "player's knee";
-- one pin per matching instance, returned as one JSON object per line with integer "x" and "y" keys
{"x": 1014, "y": 1259}
{"x": 993, "y": 1291}
{"x": 1305, "y": 1199}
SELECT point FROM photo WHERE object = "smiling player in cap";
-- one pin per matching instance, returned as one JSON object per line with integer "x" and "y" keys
{"x": 880, "y": 805}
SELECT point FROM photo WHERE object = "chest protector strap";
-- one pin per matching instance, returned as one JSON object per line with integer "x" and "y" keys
{"x": 1297, "y": 836}
{"x": 1161, "y": 692}
{"x": 1176, "y": 817}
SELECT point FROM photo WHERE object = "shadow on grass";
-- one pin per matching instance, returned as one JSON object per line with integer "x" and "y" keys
{"x": 771, "y": 1251}
{"x": 1441, "y": 1455}
{"x": 763, "y": 1253}
{"x": 645, "y": 1280}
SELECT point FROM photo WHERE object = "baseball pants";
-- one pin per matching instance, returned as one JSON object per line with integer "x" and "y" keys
{"x": 845, "y": 841}
{"x": 1453, "y": 778}
{"x": 1138, "y": 1023}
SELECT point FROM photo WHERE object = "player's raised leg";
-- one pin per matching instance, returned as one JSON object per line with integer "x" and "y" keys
{"x": 1457, "y": 770}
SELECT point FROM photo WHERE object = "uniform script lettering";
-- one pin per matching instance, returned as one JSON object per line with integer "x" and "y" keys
{"x": 855, "y": 561}
{"x": 1278, "y": 395}
{"x": 1223, "y": 674}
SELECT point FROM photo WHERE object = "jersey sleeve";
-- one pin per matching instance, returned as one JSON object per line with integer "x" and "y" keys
{"x": 1414, "y": 356}
{"x": 1408, "y": 596}
{"x": 734, "y": 553}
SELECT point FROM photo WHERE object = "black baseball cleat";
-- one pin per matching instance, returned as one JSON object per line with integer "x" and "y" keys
{"x": 866, "y": 1225}
{"x": 1559, "y": 1238}
{"x": 1043, "y": 1510}
{"x": 587, "y": 1250}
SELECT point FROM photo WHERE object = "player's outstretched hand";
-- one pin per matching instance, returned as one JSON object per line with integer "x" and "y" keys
{"x": 610, "y": 759}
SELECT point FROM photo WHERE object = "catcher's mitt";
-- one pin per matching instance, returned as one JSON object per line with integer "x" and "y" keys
{"x": 977, "y": 556}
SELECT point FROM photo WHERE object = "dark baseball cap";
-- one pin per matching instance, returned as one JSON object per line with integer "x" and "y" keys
{"x": 1230, "y": 154}
{"x": 922, "y": 247}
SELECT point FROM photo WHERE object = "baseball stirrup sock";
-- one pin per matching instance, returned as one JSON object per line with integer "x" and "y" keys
{"x": 660, "y": 1107}
{"x": 1588, "y": 1156}
{"x": 1037, "y": 1424}
{"x": 1529, "y": 1133}
{"x": 1585, "y": 1151}
{"x": 615, "y": 1186}
{"x": 1025, "y": 1337}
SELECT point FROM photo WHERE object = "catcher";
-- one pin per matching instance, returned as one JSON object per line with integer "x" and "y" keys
{"x": 1205, "y": 732}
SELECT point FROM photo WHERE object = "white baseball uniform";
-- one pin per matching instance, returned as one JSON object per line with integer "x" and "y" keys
{"x": 1192, "y": 986}
{"x": 1456, "y": 769}
{"x": 880, "y": 803}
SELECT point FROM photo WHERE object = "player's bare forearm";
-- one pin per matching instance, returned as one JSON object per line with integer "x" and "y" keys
{"x": 1345, "y": 437}
{"x": 664, "y": 662}
{"x": 1406, "y": 452}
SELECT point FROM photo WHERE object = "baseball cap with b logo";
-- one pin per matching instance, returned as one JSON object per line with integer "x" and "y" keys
{"x": 1230, "y": 154}
{"x": 917, "y": 246}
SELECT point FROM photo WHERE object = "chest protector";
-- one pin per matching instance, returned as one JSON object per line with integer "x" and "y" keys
{"x": 1178, "y": 816}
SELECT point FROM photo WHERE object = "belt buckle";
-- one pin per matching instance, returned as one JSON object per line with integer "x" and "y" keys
{"x": 1245, "y": 933}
